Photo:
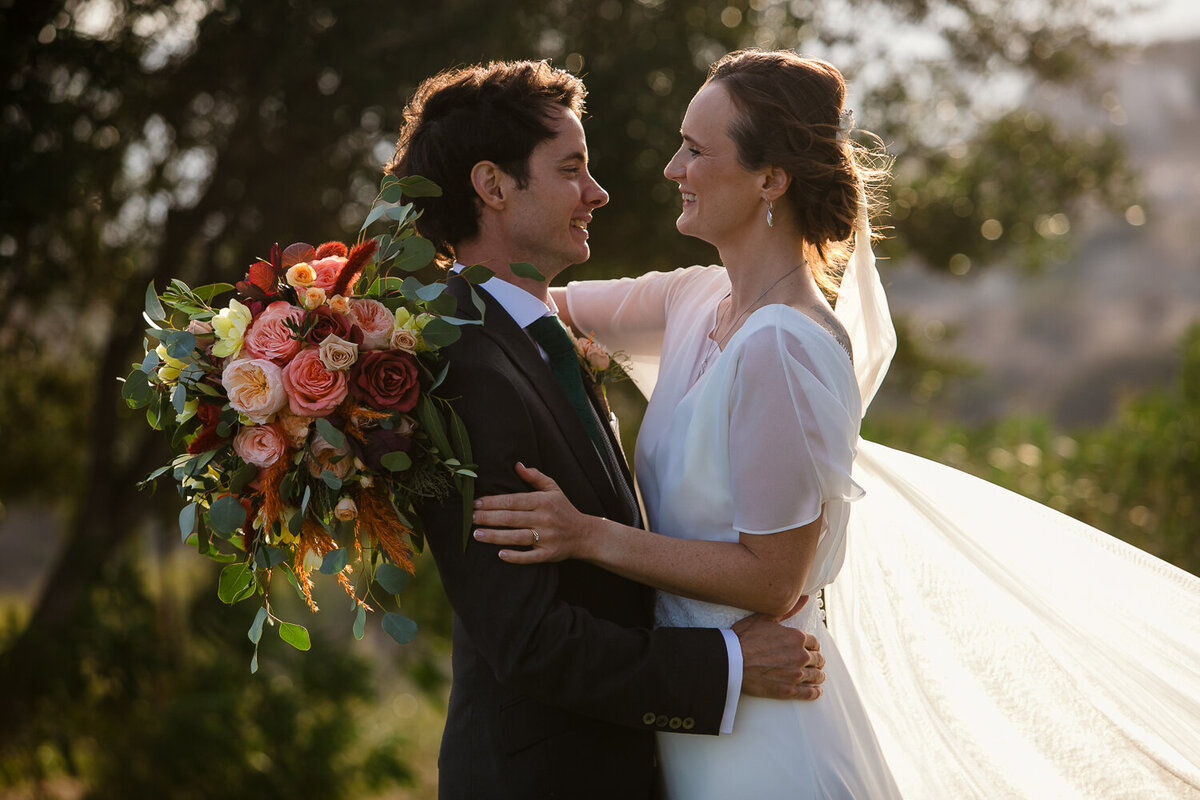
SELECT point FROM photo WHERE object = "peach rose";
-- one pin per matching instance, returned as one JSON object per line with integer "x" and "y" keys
{"x": 324, "y": 456}
{"x": 375, "y": 321}
{"x": 339, "y": 304}
{"x": 301, "y": 275}
{"x": 255, "y": 387}
{"x": 312, "y": 389}
{"x": 260, "y": 445}
{"x": 270, "y": 337}
{"x": 295, "y": 427}
{"x": 314, "y": 296}
{"x": 594, "y": 354}
{"x": 337, "y": 353}
{"x": 345, "y": 510}
{"x": 326, "y": 270}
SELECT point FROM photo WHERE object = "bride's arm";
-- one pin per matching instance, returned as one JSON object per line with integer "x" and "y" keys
{"x": 760, "y": 572}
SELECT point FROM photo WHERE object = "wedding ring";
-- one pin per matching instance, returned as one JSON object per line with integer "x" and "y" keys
{"x": 536, "y": 538}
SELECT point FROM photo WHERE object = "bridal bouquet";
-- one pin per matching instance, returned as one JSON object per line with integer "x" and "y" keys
{"x": 304, "y": 412}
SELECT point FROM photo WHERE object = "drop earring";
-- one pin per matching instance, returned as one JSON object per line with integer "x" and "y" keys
{"x": 770, "y": 214}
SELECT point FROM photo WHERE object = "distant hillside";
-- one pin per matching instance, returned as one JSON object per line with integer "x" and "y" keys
{"x": 1069, "y": 342}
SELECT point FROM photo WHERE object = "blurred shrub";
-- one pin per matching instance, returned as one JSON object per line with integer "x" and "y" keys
{"x": 1136, "y": 478}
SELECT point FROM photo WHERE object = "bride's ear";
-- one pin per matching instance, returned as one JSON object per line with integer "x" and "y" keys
{"x": 775, "y": 183}
{"x": 488, "y": 181}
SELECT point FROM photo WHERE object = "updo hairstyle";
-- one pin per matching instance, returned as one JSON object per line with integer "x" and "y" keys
{"x": 790, "y": 111}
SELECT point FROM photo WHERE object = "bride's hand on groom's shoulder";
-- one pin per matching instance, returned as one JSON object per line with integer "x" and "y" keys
{"x": 542, "y": 520}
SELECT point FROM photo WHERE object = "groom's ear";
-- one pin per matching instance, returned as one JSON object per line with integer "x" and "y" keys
{"x": 488, "y": 181}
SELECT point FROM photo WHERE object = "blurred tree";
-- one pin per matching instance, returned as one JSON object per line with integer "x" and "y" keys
{"x": 146, "y": 139}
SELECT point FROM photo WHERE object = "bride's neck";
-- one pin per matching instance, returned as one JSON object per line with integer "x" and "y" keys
{"x": 765, "y": 271}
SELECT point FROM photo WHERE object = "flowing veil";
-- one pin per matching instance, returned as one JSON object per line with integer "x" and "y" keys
{"x": 1002, "y": 649}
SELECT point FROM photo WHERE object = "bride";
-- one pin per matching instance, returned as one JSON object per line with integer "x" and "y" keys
{"x": 986, "y": 646}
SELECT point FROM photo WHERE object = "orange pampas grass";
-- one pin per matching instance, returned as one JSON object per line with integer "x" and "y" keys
{"x": 315, "y": 540}
{"x": 331, "y": 249}
{"x": 269, "y": 480}
{"x": 378, "y": 520}
{"x": 358, "y": 258}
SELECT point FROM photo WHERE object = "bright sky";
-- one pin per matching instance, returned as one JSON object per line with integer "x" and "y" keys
{"x": 1169, "y": 19}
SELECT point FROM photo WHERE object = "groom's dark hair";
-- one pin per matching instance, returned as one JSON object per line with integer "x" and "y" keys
{"x": 495, "y": 112}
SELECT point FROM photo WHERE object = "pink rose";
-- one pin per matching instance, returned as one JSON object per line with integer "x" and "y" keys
{"x": 269, "y": 336}
{"x": 255, "y": 387}
{"x": 594, "y": 354}
{"x": 385, "y": 380}
{"x": 376, "y": 322}
{"x": 326, "y": 271}
{"x": 312, "y": 389}
{"x": 260, "y": 445}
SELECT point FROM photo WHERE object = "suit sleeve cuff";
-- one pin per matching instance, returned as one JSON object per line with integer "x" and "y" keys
{"x": 734, "y": 690}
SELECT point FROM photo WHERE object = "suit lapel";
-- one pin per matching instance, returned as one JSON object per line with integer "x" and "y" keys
{"x": 524, "y": 356}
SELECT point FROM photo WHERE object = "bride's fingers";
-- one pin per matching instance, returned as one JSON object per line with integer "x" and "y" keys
{"x": 505, "y": 519}
{"x": 521, "y": 501}
{"x": 510, "y": 538}
{"x": 534, "y": 556}
{"x": 538, "y": 480}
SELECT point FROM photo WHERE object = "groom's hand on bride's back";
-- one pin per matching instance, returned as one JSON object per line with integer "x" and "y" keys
{"x": 777, "y": 662}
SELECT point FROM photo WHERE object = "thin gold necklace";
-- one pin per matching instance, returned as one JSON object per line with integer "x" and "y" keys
{"x": 720, "y": 343}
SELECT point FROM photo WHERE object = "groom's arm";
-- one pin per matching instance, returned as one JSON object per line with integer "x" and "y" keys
{"x": 555, "y": 652}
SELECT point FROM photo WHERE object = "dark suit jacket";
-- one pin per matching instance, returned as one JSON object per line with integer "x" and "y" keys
{"x": 559, "y": 680}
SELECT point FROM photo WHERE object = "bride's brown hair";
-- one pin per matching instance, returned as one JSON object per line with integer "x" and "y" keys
{"x": 790, "y": 116}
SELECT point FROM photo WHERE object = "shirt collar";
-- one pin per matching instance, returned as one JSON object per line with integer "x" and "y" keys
{"x": 519, "y": 304}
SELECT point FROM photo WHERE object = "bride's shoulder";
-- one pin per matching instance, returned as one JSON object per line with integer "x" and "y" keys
{"x": 783, "y": 332}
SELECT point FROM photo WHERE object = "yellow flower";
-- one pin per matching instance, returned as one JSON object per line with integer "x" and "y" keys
{"x": 168, "y": 371}
{"x": 189, "y": 411}
{"x": 230, "y": 326}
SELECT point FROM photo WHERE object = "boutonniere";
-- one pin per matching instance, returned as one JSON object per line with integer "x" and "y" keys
{"x": 603, "y": 367}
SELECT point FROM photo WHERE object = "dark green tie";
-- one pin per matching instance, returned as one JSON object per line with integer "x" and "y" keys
{"x": 549, "y": 332}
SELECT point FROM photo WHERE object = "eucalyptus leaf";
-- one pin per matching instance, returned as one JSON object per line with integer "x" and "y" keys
{"x": 397, "y": 461}
{"x": 154, "y": 309}
{"x": 439, "y": 333}
{"x": 417, "y": 186}
{"x": 399, "y": 213}
{"x": 151, "y": 361}
{"x": 137, "y": 390}
{"x": 382, "y": 286}
{"x": 477, "y": 274}
{"x": 266, "y": 556}
{"x": 254, "y": 662}
{"x": 187, "y": 521}
{"x": 333, "y": 562}
{"x": 431, "y": 291}
{"x": 392, "y": 193}
{"x": 207, "y": 293}
{"x": 376, "y": 212}
{"x": 391, "y": 578}
{"x": 444, "y": 305}
{"x": 417, "y": 254}
{"x": 360, "y": 623}
{"x": 236, "y": 583}
{"x": 295, "y": 635}
{"x": 400, "y": 628}
{"x": 331, "y": 479}
{"x": 255, "y": 632}
{"x": 523, "y": 269}
{"x": 179, "y": 398}
{"x": 330, "y": 434}
{"x": 226, "y": 515}
{"x": 441, "y": 376}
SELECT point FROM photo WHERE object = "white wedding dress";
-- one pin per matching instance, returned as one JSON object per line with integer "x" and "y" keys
{"x": 986, "y": 646}
{"x": 758, "y": 440}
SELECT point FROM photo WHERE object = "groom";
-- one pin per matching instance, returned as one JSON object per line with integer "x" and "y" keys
{"x": 559, "y": 679}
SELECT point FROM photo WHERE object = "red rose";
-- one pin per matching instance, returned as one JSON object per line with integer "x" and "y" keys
{"x": 385, "y": 380}
{"x": 325, "y": 321}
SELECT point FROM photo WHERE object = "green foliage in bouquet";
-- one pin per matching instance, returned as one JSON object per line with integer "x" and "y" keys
{"x": 305, "y": 416}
